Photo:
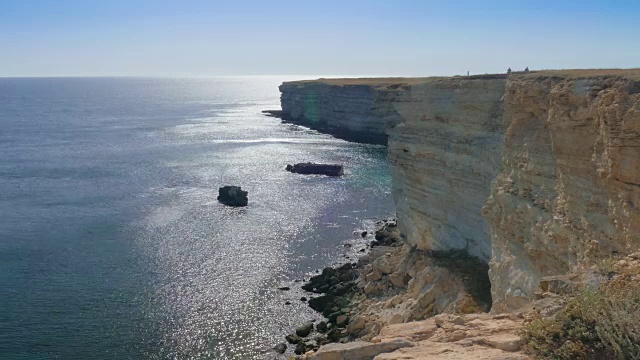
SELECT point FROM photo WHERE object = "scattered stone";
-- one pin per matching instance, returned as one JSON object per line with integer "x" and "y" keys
{"x": 233, "y": 196}
{"x": 293, "y": 338}
{"x": 388, "y": 235}
{"x": 342, "y": 320}
{"x": 322, "y": 340}
{"x": 356, "y": 325}
{"x": 287, "y": 302}
{"x": 301, "y": 348}
{"x": 316, "y": 169}
{"x": 399, "y": 279}
{"x": 382, "y": 264}
{"x": 505, "y": 342}
{"x": 371, "y": 287}
{"x": 303, "y": 299}
{"x": 280, "y": 348}
{"x": 304, "y": 330}
{"x": 363, "y": 234}
{"x": 321, "y": 327}
{"x": 333, "y": 334}
{"x": 375, "y": 275}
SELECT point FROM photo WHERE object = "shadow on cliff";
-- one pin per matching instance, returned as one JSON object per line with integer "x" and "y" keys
{"x": 473, "y": 272}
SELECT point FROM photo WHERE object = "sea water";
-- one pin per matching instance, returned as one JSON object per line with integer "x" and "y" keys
{"x": 112, "y": 243}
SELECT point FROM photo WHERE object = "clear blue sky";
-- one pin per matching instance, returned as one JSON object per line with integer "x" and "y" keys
{"x": 251, "y": 37}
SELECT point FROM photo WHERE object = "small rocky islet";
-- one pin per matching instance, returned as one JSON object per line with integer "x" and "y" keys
{"x": 310, "y": 168}
{"x": 233, "y": 196}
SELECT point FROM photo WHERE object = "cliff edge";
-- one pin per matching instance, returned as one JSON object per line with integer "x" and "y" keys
{"x": 536, "y": 174}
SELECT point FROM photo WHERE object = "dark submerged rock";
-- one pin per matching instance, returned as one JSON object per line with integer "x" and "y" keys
{"x": 284, "y": 288}
{"x": 316, "y": 169}
{"x": 233, "y": 196}
{"x": 280, "y": 348}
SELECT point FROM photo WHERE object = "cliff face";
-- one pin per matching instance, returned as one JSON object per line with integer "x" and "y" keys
{"x": 568, "y": 193}
{"x": 537, "y": 174}
{"x": 363, "y": 113}
{"x": 445, "y": 154}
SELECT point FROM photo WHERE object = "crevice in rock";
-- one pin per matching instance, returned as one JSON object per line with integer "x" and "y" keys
{"x": 473, "y": 272}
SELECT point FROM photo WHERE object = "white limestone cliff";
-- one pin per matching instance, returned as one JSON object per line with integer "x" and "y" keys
{"x": 536, "y": 174}
{"x": 357, "y": 112}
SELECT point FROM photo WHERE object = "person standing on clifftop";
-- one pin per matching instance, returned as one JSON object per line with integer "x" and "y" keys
{"x": 509, "y": 71}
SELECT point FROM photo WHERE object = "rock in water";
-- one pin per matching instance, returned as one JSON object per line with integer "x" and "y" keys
{"x": 280, "y": 348}
{"x": 233, "y": 196}
{"x": 304, "y": 330}
{"x": 316, "y": 169}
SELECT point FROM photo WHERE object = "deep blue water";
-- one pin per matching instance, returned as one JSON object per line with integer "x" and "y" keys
{"x": 112, "y": 243}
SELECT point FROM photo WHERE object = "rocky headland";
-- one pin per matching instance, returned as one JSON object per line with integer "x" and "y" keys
{"x": 509, "y": 190}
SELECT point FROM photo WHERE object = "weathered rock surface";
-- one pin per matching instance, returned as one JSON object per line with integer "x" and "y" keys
{"x": 361, "y": 113}
{"x": 569, "y": 187}
{"x": 233, "y": 196}
{"x": 400, "y": 285}
{"x": 316, "y": 169}
{"x": 445, "y": 154}
{"x": 453, "y": 337}
{"x": 536, "y": 174}
{"x": 443, "y": 337}
{"x": 358, "y": 350}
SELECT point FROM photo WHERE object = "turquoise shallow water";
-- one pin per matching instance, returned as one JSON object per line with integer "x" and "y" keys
{"x": 112, "y": 243}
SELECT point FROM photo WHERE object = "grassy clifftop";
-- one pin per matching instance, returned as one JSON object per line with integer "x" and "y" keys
{"x": 573, "y": 73}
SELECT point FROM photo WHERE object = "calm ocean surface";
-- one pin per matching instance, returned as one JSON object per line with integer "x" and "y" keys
{"x": 112, "y": 243}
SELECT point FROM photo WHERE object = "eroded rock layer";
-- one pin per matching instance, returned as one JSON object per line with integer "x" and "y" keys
{"x": 568, "y": 193}
{"x": 445, "y": 154}
{"x": 363, "y": 113}
{"x": 536, "y": 174}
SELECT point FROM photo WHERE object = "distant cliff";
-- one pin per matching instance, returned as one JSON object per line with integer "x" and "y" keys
{"x": 363, "y": 113}
{"x": 537, "y": 174}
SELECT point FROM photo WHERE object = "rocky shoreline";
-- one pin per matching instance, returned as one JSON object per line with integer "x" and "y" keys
{"x": 389, "y": 283}
{"x": 335, "y": 294}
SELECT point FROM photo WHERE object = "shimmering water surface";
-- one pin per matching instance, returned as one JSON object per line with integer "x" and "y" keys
{"x": 112, "y": 243}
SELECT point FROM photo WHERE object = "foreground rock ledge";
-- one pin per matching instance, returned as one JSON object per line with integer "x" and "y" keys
{"x": 316, "y": 169}
{"x": 233, "y": 196}
{"x": 443, "y": 337}
{"x": 358, "y": 350}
